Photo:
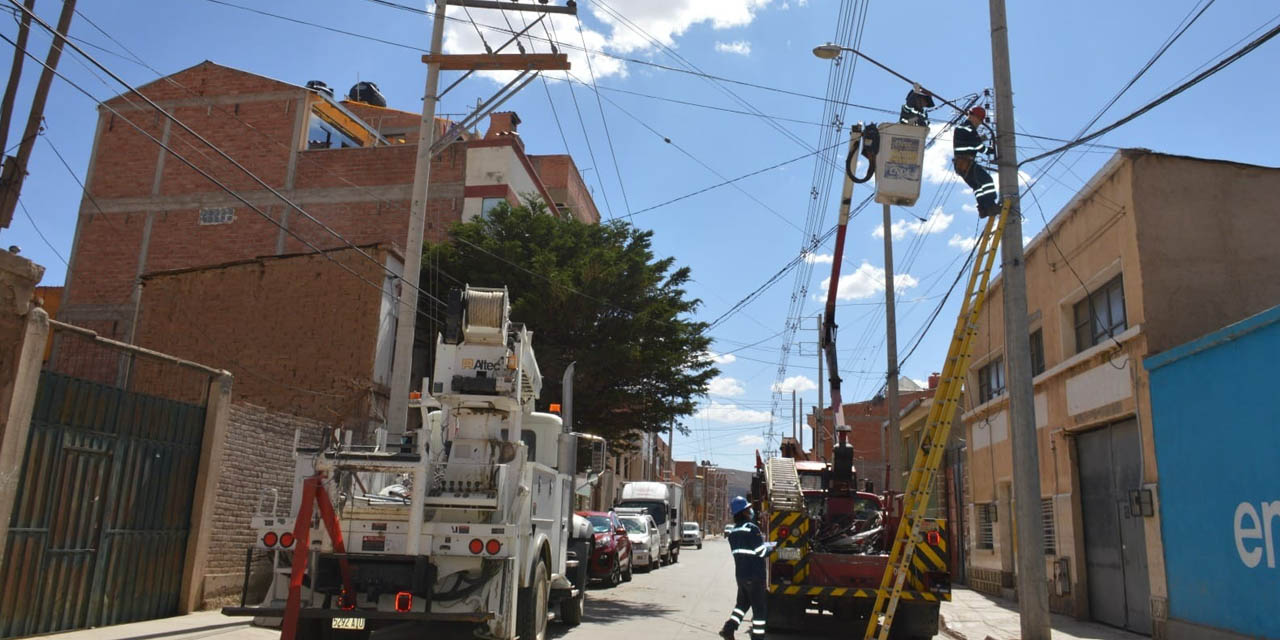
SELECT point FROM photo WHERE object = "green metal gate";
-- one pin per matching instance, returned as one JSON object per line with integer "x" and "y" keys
{"x": 99, "y": 528}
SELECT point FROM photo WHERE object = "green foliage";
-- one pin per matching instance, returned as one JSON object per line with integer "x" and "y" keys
{"x": 594, "y": 294}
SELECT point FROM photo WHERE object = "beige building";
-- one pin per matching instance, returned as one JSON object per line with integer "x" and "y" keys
{"x": 1155, "y": 250}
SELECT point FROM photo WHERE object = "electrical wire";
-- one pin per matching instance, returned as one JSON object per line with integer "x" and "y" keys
{"x": 40, "y": 233}
{"x": 608, "y": 136}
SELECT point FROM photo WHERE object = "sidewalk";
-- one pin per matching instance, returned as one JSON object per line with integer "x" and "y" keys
{"x": 205, "y": 624}
{"x": 974, "y": 616}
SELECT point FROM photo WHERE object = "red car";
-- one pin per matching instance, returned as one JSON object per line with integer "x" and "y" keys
{"x": 611, "y": 558}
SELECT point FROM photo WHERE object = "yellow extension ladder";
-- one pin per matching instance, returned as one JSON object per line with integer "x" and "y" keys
{"x": 934, "y": 438}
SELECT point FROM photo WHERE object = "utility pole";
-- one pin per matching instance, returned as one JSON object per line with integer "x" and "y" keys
{"x": 402, "y": 361}
{"x": 795, "y": 417}
{"x": 15, "y": 168}
{"x": 15, "y": 74}
{"x": 798, "y": 419}
{"x": 891, "y": 482}
{"x": 821, "y": 454}
{"x": 428, "y": 146}
{"x": 1033, "y": 592}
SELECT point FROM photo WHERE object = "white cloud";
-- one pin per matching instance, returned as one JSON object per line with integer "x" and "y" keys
{"x": 962, "y": 242}
{"x": 461, "y": 37}
{"x": 786, "y": 4}
{"x": 721, "y": 358}
{"x": 739, "y": 47}
{"x": 723, "y": 386}
{"x": 751, "y": 441}
{"x": 937, "y": 222}
{"x": 666, "y": 19}
{"x": 730, "y": 413}
{"x": 868, "y": 281}
{"x": 818, "y": 258}
{"x": 971, "y": 208}
{"x": 795, "y": 383}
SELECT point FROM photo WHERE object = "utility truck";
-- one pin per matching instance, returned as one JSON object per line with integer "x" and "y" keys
{"x": 466, "y": 522}
{"x": 665, "y": 502}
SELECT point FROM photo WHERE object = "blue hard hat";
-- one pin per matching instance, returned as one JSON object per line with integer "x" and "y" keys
{"x": 737, "y": 504}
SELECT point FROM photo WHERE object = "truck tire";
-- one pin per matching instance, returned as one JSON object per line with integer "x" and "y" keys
{"x": 531, "y": 605}
{"x": 675, "y": 554}
{"x": 571, "y": 609}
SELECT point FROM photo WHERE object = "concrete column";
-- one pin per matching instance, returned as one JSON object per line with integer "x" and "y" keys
{"x": 217, "y": 413}
{"x": 24, "y": 331}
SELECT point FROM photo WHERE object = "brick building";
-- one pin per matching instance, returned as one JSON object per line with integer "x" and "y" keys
{"x": 347, "y": 164}
{"x": 866, "y": 420}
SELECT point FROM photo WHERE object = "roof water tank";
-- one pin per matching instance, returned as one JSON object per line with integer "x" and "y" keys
{"x": 320, "y": 87}
{"x": 367, "y": 92}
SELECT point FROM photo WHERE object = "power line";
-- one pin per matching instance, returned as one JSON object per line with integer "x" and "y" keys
{"x": 1222, "y": 64}
{"x": 198, "y": 170}
{"x": 41, "y": 233}
{"x": 603, "y": 121}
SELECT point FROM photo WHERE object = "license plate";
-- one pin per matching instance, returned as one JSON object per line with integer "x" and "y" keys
{"x": 348, "y": 623}
{"x": 789, "y": 553}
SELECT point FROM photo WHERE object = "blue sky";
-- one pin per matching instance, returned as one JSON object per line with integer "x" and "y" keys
{"x": 1068, "y": 60}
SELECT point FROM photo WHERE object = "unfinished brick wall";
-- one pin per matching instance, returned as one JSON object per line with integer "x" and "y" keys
{"x": 258, "y": 457}
{"x": 298, "y": 332}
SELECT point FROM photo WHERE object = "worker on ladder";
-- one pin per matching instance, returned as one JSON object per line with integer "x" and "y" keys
{"x": 913, "y": 110}
{"x": 968, "y": 143}
{"x": 749, "y": 551}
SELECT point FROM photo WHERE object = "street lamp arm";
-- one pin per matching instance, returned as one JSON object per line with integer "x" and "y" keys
{"x": 831, "y": 51}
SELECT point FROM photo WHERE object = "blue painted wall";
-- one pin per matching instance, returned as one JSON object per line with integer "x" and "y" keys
{"x": 1216, "y": 415}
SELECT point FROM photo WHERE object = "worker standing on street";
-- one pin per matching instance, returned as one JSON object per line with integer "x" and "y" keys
{"x": 913, "y": 110}
{"x": 968, "y": 143}
{"x": 749, "y": 551}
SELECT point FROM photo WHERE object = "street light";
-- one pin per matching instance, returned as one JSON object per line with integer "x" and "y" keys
{"x": 828, "y": 51}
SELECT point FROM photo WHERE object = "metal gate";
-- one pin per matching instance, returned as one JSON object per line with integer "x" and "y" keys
{"x": 99, "y": 526}
{"x": 1114, "y": 537}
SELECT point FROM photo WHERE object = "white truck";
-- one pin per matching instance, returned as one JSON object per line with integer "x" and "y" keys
{"x": 466, "y": 523}
{"x": 665, "y": 502}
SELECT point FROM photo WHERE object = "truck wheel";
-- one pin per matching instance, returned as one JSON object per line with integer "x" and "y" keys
{"x": 531, "y": 605}
{"x": 571, "y": 609}
{"x": 675, "y": 555}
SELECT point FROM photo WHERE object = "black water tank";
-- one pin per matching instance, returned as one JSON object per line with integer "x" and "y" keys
{"x": 320, "y": 87}
{"x": 367, "y": 92}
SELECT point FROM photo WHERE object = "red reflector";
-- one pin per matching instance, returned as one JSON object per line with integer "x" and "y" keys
{"x": 784, "y": 533}
{"x": 493, "y": 547}
{"x": 404, "y": 601}
{"x": 934, "y": 538}
{"x": 286, "y": 540}
{"x": 476, "y": 545}
{"x": 269, "y": 538}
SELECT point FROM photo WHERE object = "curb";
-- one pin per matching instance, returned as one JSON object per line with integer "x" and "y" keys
{"x": 948, "y": 631}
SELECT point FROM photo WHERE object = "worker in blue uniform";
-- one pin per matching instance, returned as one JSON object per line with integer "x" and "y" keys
{"x": 967, "y": 144}
{"x": 749, "y": 551}
{"x": 914, "y": 109}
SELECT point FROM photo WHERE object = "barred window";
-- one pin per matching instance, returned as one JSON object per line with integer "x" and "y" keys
{"x": 218, "y": 215}
{"x": 1050, "y": 533}
{"x": 986, "y": 515}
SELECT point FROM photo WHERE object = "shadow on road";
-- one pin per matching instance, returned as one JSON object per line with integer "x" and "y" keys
{"x": 601, "y": 610}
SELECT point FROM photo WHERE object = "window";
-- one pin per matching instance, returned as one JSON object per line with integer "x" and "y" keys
{"x": 1046, "y": 516}
{"x": 322, "y": 134}
{"x": 1037, "y": 352}
{"x": 219, "y": 215}
{"x": 991, "y": 380}
{"x": 489, "y": 203}
{"x": 986, "y": 517}
{"x": 1100, "y": 315}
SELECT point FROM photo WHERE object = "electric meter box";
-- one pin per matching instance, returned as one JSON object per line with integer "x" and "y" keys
{"x": 900, "y": 163}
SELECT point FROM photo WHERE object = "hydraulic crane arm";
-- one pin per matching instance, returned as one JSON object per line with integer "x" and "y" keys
{"x": 828, "y": 337}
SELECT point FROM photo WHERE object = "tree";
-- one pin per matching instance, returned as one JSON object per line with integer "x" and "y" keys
{"x": 594, "y": 294}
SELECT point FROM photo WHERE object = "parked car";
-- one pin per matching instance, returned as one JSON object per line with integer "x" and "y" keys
{"x": 611, "y": 558}
{"x": 646, "y": 541}
{"x": 691, "y": 535}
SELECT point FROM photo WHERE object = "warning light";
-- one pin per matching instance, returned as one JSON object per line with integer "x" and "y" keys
{"x": 415, "y": 395}
{"x": 493, "y": 547}
{"x": 269, "y": 538}
{"x": 476, "y": 545}
{"x": 934, "y": 538}
{"x": 404, "y": 601}
{"x": 555, "y": 407}
{"x": 784, "y": 533}
{"x": 286, "y": 540}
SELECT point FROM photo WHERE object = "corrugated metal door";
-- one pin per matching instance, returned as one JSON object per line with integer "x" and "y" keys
{"x": 99, "y": 528}
{"x": 1114, "y": 538}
